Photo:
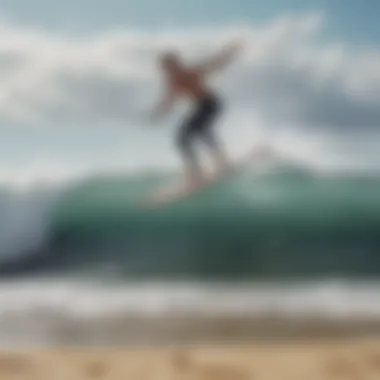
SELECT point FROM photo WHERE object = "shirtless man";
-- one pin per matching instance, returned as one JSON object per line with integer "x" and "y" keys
{"x": 190, "y": 83}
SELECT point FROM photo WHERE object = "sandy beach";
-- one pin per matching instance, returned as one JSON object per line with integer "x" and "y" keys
{"x": 213, "y": 348}
{"x": 355, "y": 359}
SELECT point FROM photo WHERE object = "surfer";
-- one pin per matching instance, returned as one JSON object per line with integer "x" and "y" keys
{"x": 187, "y": 82}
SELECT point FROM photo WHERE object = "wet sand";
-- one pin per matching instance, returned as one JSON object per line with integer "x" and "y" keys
{"x": 354, "y": 359}
{"x": 213, "y": 348}
{"x": 148, "y": 331}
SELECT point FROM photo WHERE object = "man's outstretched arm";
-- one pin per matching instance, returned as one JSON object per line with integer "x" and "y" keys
{"x": 221, "y": 60}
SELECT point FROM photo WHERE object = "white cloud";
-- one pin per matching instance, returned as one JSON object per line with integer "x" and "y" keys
{"x": 285, "y": 74}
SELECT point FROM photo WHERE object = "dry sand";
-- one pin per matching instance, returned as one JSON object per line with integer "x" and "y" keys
{"x": 309, "y": 360}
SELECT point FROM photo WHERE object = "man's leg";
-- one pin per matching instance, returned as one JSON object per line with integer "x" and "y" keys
{"x": 217, "y": 151}
{"x": 185, "y": 140}
{"x": 206, "y": 121}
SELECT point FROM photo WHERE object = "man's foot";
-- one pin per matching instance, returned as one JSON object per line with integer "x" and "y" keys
{"x": 195, "y": 179}
{"x": 223, "y": 165}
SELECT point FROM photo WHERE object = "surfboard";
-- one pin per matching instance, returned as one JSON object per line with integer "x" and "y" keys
{"x": 181, "y": 191}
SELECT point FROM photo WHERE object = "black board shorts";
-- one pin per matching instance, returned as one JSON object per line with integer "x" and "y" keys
{"x": 200, "y": 121}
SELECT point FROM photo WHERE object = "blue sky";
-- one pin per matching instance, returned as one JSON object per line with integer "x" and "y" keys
{"x": 73, "y": 87}
{"x": 354, "y": 20}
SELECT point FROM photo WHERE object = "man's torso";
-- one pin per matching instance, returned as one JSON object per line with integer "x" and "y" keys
{"x": 189, "y": 83}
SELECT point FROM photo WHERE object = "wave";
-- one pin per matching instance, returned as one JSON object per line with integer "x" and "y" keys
{"x": 283, "y": 221}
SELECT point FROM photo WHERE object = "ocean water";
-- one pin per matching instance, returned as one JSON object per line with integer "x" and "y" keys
{"x": 283, "y": 239}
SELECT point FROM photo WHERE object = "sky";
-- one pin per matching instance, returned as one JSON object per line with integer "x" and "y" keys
{"x": 355, "y": 21}
{"x": 78, "y": 77}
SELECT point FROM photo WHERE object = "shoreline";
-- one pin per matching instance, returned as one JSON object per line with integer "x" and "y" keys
{"x": 331, "y": 359}
{"x": 203, "y": 348}
{"x": 142, "y": 331}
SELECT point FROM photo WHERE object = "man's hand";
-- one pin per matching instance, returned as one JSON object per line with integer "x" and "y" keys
{"x": 152, "y": 116}
{"x": 163, "y": 107}
{"x": 159, "y": 112}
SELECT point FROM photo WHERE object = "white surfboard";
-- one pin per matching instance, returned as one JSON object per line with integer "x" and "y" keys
{"x": 180, "y": 191}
